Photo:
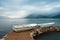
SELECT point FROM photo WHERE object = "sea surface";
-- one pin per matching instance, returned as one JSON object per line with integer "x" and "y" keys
{"x": 7, "y": 24}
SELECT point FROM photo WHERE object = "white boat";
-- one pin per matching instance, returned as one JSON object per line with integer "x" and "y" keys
{"x": 30, "y": 26}
{"x": 46, "y": 24}
{"x": 24, "y": 27}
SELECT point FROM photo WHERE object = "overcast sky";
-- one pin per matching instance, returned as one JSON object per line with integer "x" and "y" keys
{"x": 22, "y": 8}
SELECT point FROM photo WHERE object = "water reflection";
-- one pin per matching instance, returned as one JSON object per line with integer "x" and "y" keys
{"x": 49, "y": 36}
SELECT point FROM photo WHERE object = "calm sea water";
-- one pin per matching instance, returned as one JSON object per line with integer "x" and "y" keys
{"x": 6, "y": 24}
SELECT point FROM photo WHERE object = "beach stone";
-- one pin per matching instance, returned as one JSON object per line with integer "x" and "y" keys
{"x": 57, "y": 28}
{"x": 30, "y": 34}
{"x": 25, "y": 35}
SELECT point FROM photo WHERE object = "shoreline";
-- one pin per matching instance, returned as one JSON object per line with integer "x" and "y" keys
{"x": 20, "y": 35}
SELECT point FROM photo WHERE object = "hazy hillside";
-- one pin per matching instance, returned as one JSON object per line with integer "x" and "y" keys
{"x": 43, "y": 16}
{"x": 57, "y": 16}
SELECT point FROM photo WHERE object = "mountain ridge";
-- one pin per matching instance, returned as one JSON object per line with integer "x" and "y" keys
{"x": 43, "y": 16}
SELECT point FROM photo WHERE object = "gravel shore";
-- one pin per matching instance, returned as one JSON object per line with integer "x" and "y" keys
{"x": 25, "y": 35}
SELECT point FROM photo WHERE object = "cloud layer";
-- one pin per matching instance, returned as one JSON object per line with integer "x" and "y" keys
{"x": 22, "y": 8}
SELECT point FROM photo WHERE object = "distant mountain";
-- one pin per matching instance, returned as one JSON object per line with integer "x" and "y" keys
{"x": 57, "y": 16}
{"x": 38, "y": 16}
{"x": 3, "y": 17}
{"x": 43, "y": 16}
